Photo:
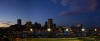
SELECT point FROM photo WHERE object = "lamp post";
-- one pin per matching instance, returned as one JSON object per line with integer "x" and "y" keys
{"x": 83, "y": 32}
{"x": 49, "y": 32}
{"x": 95, "y": 31}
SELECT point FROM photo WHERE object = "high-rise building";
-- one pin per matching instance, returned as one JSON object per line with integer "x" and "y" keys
{"x": 29, "y": 26}
{"x": 19, "y": 22}
{"x": 50, "y": 23}
{"x": 37, "y": 27}
{"x": 46, "y": 25}
{"x": 29, "y": 22}
{"x": 54, "y": 25}
{"x": 79, "y": 25}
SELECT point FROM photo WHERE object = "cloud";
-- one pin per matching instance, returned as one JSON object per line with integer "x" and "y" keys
{"x": 93, "y": 5}
{"x": 69, "y": 13}
{"x": 54, "y": 1}
{"x": 77, "y": 6}
{"x": 5, "y": 24}
{"x": 65, "y": 2}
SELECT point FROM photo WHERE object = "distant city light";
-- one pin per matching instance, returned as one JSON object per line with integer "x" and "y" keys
{"x": 83, "y": 29}
{"x": 31, "y": 29}
{"x": 48, "y": 29}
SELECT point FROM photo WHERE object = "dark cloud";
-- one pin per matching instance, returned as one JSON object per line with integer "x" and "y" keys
{"x": 65, "y": 2}
{"x": 78, "y": 6}
{"x": 54, "y": 1}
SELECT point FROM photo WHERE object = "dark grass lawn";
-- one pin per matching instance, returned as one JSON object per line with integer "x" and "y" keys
{"x": 46, "y": 39}
{"x": 53, "y": 39}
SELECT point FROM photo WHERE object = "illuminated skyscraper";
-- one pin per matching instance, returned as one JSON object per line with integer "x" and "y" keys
{"x": 50, "y": 23}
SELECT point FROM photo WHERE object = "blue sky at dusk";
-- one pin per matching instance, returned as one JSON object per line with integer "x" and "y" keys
{"x": 68, "y": 12}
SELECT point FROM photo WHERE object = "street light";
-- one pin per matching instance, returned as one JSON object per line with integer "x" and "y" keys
{"x": 67, "y": 29}
{"x": 48, "y": 29}
{"x": 31, "y": 29}
{"x": 83, "y": 29}
{"x": 95, "y": 29}
{"x": 83, "y": 32}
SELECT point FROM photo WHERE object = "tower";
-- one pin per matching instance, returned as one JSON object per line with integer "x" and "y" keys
{"x": 19, "y": 22}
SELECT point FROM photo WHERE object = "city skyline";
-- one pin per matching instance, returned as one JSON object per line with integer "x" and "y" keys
{"x": 68, "y": 12}
{"x": 50, "y": 22}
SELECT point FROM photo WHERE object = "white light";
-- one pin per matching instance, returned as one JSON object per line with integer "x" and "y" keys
{"x": 95, "y": 29}
{"x": 31, "y": 29}
{"x": 49, "y": 29}
{"x": 83, "y": 29}
{"x": 66, "y": 29}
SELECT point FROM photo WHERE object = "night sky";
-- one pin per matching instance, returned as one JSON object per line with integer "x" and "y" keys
{"x": 63, "y": 12}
